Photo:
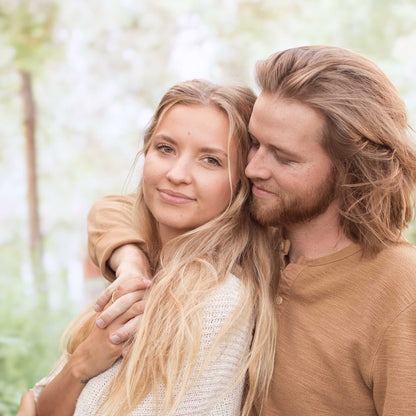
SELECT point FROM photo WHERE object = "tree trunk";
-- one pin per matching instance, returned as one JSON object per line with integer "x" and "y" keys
{"x": 35, "y": 239}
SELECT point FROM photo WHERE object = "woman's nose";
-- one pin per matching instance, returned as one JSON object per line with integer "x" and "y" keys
{"x": 180, "y": 171}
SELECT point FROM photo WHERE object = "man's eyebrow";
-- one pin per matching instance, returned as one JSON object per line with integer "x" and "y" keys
{"x": 286, "y": 152}
{"x": 252, "y": 136}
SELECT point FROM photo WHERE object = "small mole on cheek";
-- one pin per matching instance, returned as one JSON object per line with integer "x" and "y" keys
{"x": 189, "y": 133}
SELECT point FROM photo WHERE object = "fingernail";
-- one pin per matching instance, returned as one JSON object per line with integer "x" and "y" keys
{"x": 97, "y": 307}
{"x": 115, "y": 339}
{"x": 100, "y": 323}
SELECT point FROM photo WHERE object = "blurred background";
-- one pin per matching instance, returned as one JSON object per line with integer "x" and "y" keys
{"x": 78, "y": 83}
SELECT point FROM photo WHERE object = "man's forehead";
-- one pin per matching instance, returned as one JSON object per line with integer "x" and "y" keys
{"x": 274, "y": 104}
{"x": 287, "y": 123}
{"x": 263, "y": 102}
{"x": 269, "y": 102}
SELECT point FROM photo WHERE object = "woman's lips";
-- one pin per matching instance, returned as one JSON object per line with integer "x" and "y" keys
{"x": 174, "y": 197}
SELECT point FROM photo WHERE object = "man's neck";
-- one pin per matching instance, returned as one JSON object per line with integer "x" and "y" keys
{"x": 319, "y": 237}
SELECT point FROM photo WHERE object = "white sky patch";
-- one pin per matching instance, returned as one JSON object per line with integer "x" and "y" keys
{"x": 194, "y": 52}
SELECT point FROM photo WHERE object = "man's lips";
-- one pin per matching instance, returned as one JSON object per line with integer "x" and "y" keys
{"x": 259, "y": 191}
{"x": 174, "y": 197}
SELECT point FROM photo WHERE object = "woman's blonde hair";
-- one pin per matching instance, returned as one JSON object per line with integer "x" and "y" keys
{"x": 187, "y": 268}
{"x": 366, "y": 135}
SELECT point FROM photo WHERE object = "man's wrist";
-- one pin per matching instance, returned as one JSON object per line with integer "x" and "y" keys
{"x": 129, "y": 256}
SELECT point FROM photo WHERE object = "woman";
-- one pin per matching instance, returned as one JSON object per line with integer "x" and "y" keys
{"x": 205, "y": 335}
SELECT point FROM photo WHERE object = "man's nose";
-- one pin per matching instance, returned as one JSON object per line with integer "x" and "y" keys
{"x": 258, "y": 164}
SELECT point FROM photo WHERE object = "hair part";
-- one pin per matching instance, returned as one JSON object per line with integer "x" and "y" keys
{"x": 366, "y": 136}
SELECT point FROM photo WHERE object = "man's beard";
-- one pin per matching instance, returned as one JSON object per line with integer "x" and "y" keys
{"x": 296, "y": 208}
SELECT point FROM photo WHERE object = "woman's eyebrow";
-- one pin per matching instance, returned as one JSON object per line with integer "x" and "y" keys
{"x": 162, "y": 136}
{"x": 205, "y": 149}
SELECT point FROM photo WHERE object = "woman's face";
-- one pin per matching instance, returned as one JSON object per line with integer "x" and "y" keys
{"x": 186, "y": 172}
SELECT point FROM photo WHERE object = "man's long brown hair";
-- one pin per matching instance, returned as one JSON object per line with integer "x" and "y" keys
{"x": 367, "y": 136}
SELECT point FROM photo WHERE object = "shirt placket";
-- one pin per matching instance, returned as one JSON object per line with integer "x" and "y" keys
{"x": 288, "y": 274}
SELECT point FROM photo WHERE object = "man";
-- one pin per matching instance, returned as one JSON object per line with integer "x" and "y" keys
{"x": 331, "y": 165}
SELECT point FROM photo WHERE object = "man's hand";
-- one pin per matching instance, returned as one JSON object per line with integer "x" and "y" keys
{"x": 127, "y": 302}
{"x": 125, "y": 296}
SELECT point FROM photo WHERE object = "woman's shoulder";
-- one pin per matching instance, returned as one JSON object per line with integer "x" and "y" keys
{"x": 224, "y": 309}
{"x": 225, "y": 302}
{"x": 229, "y": 292}
{"x": 233, "y": 281}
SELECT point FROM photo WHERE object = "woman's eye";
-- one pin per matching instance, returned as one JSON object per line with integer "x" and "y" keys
{"x": 164, "y": 148}
{"x": 212, "y": 161}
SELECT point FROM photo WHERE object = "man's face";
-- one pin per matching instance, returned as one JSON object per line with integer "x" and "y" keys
{"x": 291, "y": 174}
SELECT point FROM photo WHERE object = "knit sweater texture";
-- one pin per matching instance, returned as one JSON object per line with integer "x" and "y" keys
{"x": 217, "y": 390}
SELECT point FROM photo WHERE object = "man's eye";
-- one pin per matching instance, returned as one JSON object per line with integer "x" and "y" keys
{"x": 282, "y": 160}
{"x": 254, "y": 145}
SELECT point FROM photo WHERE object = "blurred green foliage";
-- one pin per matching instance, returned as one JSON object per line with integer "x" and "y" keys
{"x": 28, "y": 28}
{"x": 28, "y": 345}
{"x": 29, "y": 337}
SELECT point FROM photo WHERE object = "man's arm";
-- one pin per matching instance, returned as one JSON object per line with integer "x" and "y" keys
{"x": 115, "y": 245}
{"x": 128, "y": 263}
{"x": 394, "y": 367}
{"x": 110, "y": 226}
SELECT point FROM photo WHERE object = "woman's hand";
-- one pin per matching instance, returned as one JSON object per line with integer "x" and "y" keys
{"x": 91, "y": 357}
{"x": 27, "y": 405}
{"x": 97, "y": 353}
{"x": 94, "y": 355}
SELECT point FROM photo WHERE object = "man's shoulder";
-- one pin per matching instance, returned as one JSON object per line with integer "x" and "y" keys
{"x": 397, "y": 263}
{"x": 402, "y": 254}
{"x": 390, "y": 279}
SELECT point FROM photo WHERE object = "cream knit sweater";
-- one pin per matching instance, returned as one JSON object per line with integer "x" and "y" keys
{"x": 218, "y": 390}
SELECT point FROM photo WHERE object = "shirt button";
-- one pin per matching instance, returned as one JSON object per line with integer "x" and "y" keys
{"x": 279, "y": 300}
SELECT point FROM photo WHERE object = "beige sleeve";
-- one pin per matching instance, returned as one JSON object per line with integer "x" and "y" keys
{"x": 110, "y": 225}
{"x": 394, "y": 368}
